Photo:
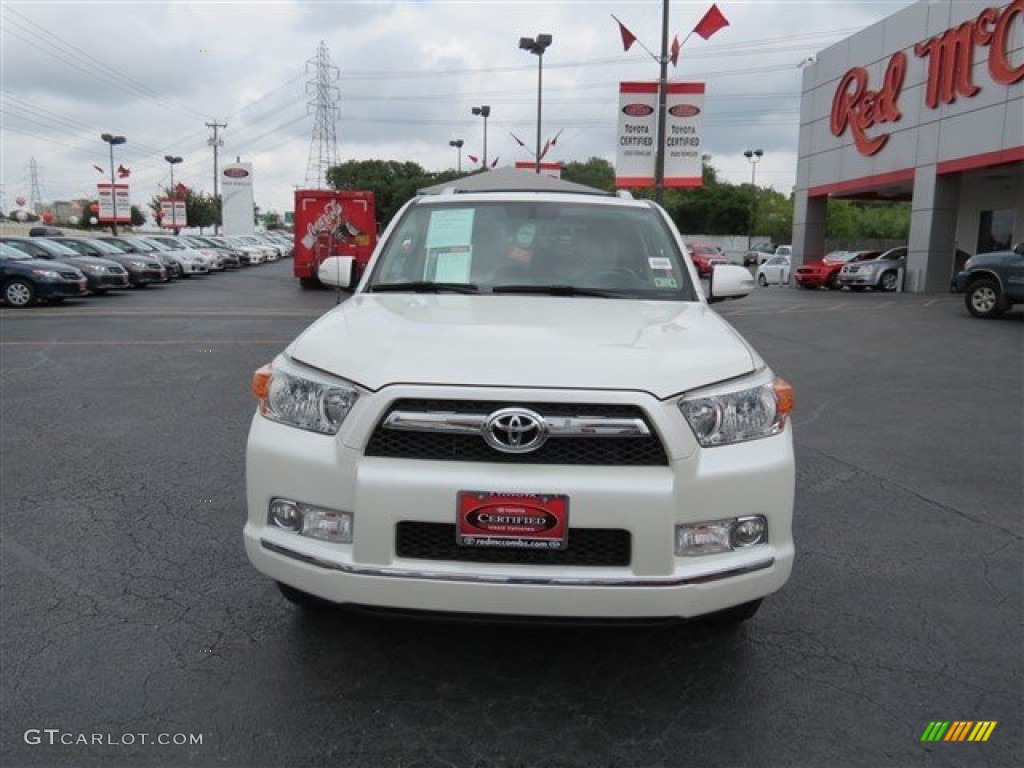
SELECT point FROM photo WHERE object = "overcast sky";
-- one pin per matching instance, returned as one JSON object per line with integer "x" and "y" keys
{"x": 408, "y": 75}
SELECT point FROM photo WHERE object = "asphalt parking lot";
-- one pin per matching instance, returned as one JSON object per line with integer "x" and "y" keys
{"x": 131, "y": 613}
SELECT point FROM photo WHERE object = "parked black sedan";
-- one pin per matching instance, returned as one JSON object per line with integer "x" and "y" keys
{"x": 142, "y": 270}
{"x": 102, "y": 274}
{"x": 25, "y": 281}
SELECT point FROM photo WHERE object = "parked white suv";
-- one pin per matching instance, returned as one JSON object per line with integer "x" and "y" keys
{"x": 527, "y": 407}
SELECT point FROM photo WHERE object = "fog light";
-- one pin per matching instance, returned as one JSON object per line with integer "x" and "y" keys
{"x": 285, "y": 514}
{"x": 749, "y": 531}
{"x": 308, "y": 520}
{"x": 703, "y": 538}
{"x": 717, "y": 536}
{"x": 327, "y": 524}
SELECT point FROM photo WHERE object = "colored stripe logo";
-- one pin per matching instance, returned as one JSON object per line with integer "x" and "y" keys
{"x": 959, "y": 730}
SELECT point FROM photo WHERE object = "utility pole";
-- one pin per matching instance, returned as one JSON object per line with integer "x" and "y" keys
{"x": 216, "y": 143}
{"x": 659, "y": 154}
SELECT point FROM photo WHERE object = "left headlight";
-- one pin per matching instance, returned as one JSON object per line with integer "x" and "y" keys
{"x": 722, "y": 418}
{"x": 302, "y": 400}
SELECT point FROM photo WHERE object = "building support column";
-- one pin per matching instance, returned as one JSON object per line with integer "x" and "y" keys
{"x": 932, "y": 244}
{"x": 810, "y": 216}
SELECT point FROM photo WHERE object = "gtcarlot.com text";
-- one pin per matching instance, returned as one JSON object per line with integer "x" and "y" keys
{"x": 55, "y": 737}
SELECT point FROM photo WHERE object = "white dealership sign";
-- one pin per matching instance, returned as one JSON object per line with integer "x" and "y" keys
{"x": 236, "y": 192}
{"x": 106, "y": 193}
{"x": 638, "y": 129}
{"x": 173, "y": 213}
{"x": 684, "y": 104}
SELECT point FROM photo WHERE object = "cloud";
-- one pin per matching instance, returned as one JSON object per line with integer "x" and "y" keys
{"x": 409, "y": 73}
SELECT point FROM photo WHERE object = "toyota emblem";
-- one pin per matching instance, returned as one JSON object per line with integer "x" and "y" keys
{"x": 515, "y": 430}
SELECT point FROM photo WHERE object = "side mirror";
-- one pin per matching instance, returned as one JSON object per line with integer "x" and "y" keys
{"x": 335, "y": 271}
{"x": 729, "y": 281}
{"x": 1019, "y": 248}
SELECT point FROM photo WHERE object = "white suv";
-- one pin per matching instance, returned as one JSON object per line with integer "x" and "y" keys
{"x": 526, "y": 408}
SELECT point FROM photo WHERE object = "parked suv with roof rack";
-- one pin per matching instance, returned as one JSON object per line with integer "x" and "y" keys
{"x": 528, "y": 407}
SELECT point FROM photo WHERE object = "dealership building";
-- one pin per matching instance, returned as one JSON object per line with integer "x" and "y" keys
{"x": 925, "y": 106}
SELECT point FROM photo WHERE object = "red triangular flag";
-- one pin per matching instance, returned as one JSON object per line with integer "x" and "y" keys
{"x": 99, "y": 169}
{"x": 122, "y": 172}
{"x": 713, "y": 21}
{"x": 555, "y": 140}
{"x": 494, "y": 163}
{"x": 473, "y": 158}
{"x": 628, "y": 38}
{"x": 674, "y": 57}
{"x": 547, "y": 146}
{"x": 518, "y": 141}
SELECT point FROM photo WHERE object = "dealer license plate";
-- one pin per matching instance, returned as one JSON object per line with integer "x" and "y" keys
{"x": 512, "y": 520}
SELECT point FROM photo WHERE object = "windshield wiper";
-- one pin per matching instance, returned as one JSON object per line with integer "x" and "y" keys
{"x": 561, "y": 290}
{"x": 424, "y": 286}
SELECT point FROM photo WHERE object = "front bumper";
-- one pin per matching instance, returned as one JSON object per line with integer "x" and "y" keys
{"x": 711, "y": 484}
{"x": 48, "y": 288}
{"x": 146, "y": 276}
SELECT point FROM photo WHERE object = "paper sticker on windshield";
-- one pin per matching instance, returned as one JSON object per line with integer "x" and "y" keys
{"x": 450, "y": 265}
{"x": 665, "y": 282}
{"x": 450, "y": 227}
{"x": 659, "y": 262}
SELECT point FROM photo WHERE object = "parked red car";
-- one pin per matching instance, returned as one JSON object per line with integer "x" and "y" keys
{"x": 824, "y": 273}
{"x": 705, "y": 257}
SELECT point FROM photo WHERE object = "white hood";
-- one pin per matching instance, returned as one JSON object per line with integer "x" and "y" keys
{"x": 525, "y": 341}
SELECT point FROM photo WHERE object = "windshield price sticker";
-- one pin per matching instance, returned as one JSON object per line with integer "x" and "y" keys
{"x": 512, "y": 520}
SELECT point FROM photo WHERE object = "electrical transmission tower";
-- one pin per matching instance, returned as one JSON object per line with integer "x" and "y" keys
{"x": 35, "y": 196}
{"x": 324, "y": 95}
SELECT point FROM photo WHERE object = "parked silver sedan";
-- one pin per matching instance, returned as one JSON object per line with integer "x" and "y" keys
{"x": 881, "y": 273}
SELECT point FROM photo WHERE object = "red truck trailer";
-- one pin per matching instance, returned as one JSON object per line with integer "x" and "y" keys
{"x": 331, "y": 223}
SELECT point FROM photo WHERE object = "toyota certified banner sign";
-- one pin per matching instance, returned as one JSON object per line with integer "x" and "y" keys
{"x": 638, "y": 129}
{"x": 684, "y": 104}
{"x": 106, "y": 201}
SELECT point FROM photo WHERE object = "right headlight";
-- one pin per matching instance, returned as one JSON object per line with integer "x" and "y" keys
{"x": 737, "y": 415}
{"x": 302, "y": 400}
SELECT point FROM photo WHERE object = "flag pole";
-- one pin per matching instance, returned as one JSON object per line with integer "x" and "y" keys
{"x": 659, "y": 157}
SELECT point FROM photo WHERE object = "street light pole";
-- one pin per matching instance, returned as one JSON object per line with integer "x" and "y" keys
{"x": 754, "y": 156}
{"x": 484, "y": 112}
{"x": 111, "y": 139}
{"x": 537, "y": 46}
{"x": 174, "y": 192}
{"x": 457, "y": 143}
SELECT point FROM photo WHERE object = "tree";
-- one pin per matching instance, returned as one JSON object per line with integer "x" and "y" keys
{"x": 138, "y": 217}
{"x": 595, "y": 172}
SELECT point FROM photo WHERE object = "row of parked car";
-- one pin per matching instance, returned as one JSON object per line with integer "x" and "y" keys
{"x": 856, "y": 270}
{"x": 48, "y": 266}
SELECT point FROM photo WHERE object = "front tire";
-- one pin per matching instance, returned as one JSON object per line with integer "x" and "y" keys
{"x": 19, "y": 293}
{"x": 762, "y": 280}
{"x": 984, "y": 299}
{"x": 889, "y": 282}
{"x": 833, "y": 282}
{"x": 309, "y": 283}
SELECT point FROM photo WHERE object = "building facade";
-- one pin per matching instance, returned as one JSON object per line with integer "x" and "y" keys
{"x": 925, "y": 106}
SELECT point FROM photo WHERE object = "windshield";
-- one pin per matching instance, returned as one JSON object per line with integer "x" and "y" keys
{"x": 103, "y": 247}
{"x": 55, "y": 249}
{"x": 134, "y": 245}
{"x": 12, "y": 253}
{"x": 565, "y": 248}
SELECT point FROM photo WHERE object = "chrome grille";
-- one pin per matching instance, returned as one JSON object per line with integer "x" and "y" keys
{"x": 440, "y": 443}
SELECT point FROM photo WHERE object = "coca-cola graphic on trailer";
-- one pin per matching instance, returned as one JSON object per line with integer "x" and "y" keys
{"x": 330, "y": 223}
